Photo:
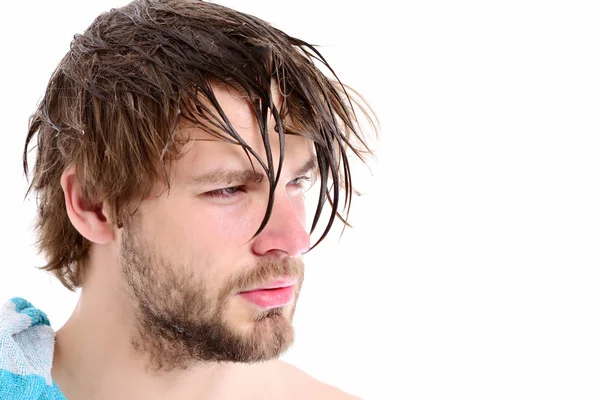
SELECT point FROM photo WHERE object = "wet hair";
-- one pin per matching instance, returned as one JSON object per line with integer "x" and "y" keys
{"x": 112, "y": 106}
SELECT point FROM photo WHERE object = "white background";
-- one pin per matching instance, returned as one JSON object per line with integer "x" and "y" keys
{"x": 472, "y": 270}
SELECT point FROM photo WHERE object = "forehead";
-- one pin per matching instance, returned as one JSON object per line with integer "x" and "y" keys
{"x": 203, "y": 149}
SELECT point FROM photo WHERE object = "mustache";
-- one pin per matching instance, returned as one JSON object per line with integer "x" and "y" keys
{"x": 264, "y": 271}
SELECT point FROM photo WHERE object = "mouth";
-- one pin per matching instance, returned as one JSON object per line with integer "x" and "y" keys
{"x": 274, "y": 294}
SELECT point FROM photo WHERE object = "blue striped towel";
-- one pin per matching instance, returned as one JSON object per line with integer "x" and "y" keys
{"x": 26, "y": 350}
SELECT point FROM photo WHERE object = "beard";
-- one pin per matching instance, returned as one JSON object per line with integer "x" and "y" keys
{"x": 181, "y": 321}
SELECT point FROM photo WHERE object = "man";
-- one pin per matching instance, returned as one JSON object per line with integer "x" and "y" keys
{"x": 175, "y": 142}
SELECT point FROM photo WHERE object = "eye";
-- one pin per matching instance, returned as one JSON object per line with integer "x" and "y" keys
{"x": 302, "y": 182}
{"x": 226, "y": 193}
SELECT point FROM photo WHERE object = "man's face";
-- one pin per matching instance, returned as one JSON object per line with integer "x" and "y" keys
{"x": 205, "y": 289}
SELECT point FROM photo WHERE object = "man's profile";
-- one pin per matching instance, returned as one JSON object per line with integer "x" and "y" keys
{"x": 174, "y": 145}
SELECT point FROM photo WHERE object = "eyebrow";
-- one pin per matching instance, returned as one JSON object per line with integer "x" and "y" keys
{"x": 241, "y": 177}
{"x": 309, "y": 166}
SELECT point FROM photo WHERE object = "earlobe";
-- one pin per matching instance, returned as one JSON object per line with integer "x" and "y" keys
{"x": 88, "y": 218}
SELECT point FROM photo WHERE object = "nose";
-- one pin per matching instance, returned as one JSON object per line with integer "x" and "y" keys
{"x": 285, "y": 233}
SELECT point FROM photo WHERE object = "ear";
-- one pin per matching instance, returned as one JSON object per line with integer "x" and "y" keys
{"x": 89, "y": 219}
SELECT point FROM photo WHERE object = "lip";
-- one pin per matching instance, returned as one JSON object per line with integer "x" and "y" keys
{"x": 274, "y": 294}
{"x": 276, "y": 284}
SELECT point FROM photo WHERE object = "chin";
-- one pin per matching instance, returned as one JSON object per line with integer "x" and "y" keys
{"x": 270, "y": 333}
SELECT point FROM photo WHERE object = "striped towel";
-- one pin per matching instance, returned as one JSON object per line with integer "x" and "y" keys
{"x": 26, "y": 350}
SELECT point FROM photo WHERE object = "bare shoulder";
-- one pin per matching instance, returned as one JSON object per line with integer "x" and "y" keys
{"x": 300, "y": 385}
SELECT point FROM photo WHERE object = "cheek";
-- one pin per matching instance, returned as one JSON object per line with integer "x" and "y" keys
{"x": 234, "y": 228}
{"x": 191, "y": 229}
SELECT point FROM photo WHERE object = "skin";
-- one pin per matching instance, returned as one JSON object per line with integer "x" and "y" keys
{"x": 205, "y": 233}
